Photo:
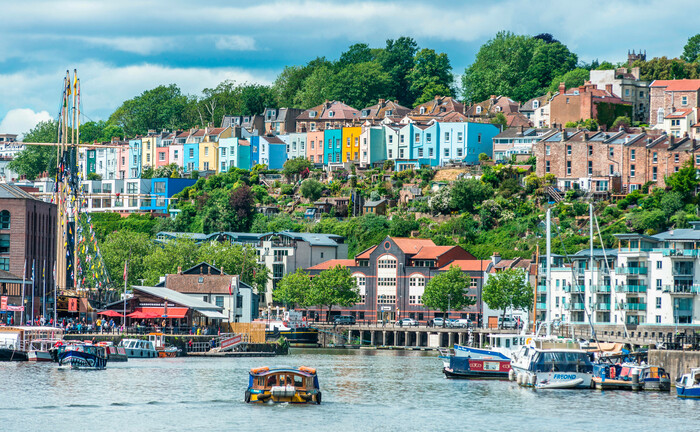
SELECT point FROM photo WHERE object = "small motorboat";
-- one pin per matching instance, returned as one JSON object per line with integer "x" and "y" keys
{"x": 627, "y": 376}
{"x": 688, "y": 386}
{"x": 283, "y": 385}
{"x": 552, "y": 365}
{"x": 40, "y": 349}
{"x": 114, "y": 353}
{"x": 77, "y": 355}
{"x": 466, "y": 368}
{"x": 163, "y": 349}
{"x": 138, "y": 348}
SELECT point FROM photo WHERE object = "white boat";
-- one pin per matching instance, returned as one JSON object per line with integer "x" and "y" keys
{"x": 688, "y": 386}
{"x": 15, "y": 341}
{"x": 501, "y": 347}
{"x": 139, "y": 348}
{"x": 552, "y": 365}
{"x": 39, "y": 350}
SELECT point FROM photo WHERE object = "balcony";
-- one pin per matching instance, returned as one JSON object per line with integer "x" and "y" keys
{"x": 601, "y": 289}
{"x": 575, "y": 306}
{"x": 541, "y": 288}
{"x": 631, "y": 270}
{"x": 541, "y": 306}
{"x": 575, "y": 289}
{"x": 631, "y": 289}
{"x": 682, "y": 289}
{"x": 602, "y": 306}
{"x": 632, "y": 306}
{"x": 681, "y": 253}
{"x": 684, "y": 271}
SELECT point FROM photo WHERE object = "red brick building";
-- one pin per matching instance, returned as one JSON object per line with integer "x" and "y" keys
{"x": 27, "y": 235}
{"x": 581, "y": 103}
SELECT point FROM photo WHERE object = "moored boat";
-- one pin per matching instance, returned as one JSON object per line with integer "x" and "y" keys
{"x": 625, "y": 376}
{"x": 293, "y": 327}
{"x": 552, "y": 365}
{"x": 466, "y": 368}
{"x": 39, "y": 350}
{"x": 114, "y": 353}
{"x": 283, "y": 385}
{"x": 163, "y": 349}
{"x": 688, "y": 386}
{"x": 15, "y": 341}
{"x": 76, "y": 355}
{"x": 138, "y": 348}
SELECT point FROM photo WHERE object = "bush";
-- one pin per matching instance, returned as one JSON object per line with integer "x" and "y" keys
{"x": 287, "y": 189}
{"x": 311, "y": 189}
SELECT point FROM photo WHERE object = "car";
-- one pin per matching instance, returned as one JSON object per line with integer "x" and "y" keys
{"x": 344, "y": 319}
{"x": 406, "y": 322}
{"x": 439, "y": 322}
{"x": 460, "y": 323}
{"x": 507, "y": 323}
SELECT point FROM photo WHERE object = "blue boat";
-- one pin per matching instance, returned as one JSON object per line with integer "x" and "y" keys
{"x": 82, "y": 356}
{"x": 688, "y": 386}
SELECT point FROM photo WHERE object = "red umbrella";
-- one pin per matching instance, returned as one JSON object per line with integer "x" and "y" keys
{"x": 110, "y": 313}
{"x": 142, "y": 315}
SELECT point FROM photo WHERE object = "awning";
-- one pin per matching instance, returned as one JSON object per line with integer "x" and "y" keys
{"x": 173, "y": 312}
{"x": 212, "y": 314}
{"x": 110, "y": 313}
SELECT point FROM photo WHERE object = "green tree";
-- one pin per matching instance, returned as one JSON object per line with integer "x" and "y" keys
{"x": 311, "y": 189}
{"x": 293, "y": 289}
{"x": 296, "y": 166}
{"x": 401, "y": 226}
{"x": 333, "y": 287}
{"x": 94, "y": 176}
{"x": 500, "y": 120}
{"x": 235, "y": 259}
{"x": 573, "y": 78}
{"x": 34, "y": 160}
{"x": 621, "y": 121}
{"x": 467, "y": 194}
{"x": 508, "y": 288}
{"x": 357, "y": 53}
{"x": 431, "y": 72}
{"x": 691, "y": 50}
{"x": 122, "y": 245}
{"x": 397, "y": 59}
{"x": 360, "y": 84}
{"x": 164, "y": 107}
{"x": 684, "y": 181}
{"x": 99, "y": 131}
{"x": 448, "y": 291}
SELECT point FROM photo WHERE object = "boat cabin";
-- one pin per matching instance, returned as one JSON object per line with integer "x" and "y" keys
{"x": 283, "y": 385}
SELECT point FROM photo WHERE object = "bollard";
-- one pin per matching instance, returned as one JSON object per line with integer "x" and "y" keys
{"x": 635, "y": 379}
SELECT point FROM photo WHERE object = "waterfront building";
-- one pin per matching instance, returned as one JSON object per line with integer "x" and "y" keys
{"x": 314, "y": 149}
{"x": 191, "y": 150}
{"x": 204, "y": 282}
{"x": 391, "y": 137}
{"x": 484, "y": 111}
{"x": 392, "y": 277}
{"x": 209, "y": 148}
{"x": 27, "y": 240}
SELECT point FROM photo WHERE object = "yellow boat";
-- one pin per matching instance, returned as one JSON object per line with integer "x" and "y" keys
{"x": 283, "y": 385}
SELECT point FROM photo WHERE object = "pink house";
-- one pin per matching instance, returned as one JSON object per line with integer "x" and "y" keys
{"x": 162, "y": 156}
{"x": 122, "y": 159}
{"x": 314, "y": 147}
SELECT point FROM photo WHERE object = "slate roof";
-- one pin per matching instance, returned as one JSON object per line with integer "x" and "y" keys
{"x": 179, "y": 298}
{"x": 12, "y": 191}
{"x": 530, "y": 106}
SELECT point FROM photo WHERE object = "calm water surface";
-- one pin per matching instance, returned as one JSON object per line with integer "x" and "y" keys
{"x": 362, "y": 390}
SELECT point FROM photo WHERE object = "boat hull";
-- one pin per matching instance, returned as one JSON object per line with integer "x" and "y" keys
{"x": 39, "y": 356}
{"x": 553, "y": 380}
{"x": 140, "y": 353}
{"x": 462, "y": 368}
{"x": 690, "y": 393}
{"x": 81, "y": 360}
{"x": 7, "y": 354}
{"x": 478, "y": 353}
{"x": 289, "y": 397}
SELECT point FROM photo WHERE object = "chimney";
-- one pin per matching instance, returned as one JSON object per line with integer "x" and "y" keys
{"x": 520, "y": 132}
{"x": 562, "y": 88}
{"x": 564, "y": 135}
{"x": 381, "y": 102}
{"x": 209, "y": 270}
{"x": 608, "y": 88}
{"x": 495, "y": 258}
{"x": 179, "y": 270}
{"x": 585, "y": 136}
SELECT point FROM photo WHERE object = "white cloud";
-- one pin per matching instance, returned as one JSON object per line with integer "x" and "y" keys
{"x": 235, "y": 43}
{"x": 21, "y": 120}
{"x": 137, "y": 45}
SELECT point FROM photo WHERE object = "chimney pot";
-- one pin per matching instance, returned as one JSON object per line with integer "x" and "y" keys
{"x": 562, "y": 88}
{"x": 179, "y": 270}
{"x": 609, "y": 88}
{"x": 495, "y": 258}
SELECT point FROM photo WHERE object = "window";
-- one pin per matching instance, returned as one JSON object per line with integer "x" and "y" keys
{"x": 658, "y": 303}
{"x": 684, "y": 100}
{"x": 391, "y": 139}
{"x": 331, "y": 114}
{"x": 567, "y": 100}
{"x": 676, "y": 158}
{"x": 401, "y": 154}
{"x": 387, "y": 262}
{"x": 632, "y": 170}
{"x": 611, "y": 151}
{"x": 535, "y": 104}
{"x": 654, "y": 157}
{"x": 161, "y": 156}
{"x": 612, "y": 169}
{"x": 347, "y": 142}
{"x": 401, "y": 138}
{"x": 191, "y": 152}
{"x": 658, "y": 284}
{"x": 159, "y": 187}
{"x": 460, "y": 137}
{"x": 430, "y": 152}
{"x": 568, "y": 150}
{"x": 547, "y": 150}
{"x": 546, "y": 166}
{"x": 390, "y": 154}
{"x": 312, "y": 145}
{"x": 633, "y": 154}
{"x": 447, "y": 137}
{"x": 568, "y": 168}
{"x": 4, "y": 219}
{"x": 658, "y": 319}
{"x": 420, "y": 152}
{"x": 4, "y": 243}
{"x": 5, "y": 264}
{"x": 459, "y": 152}
{"x": 654, "y": 173}
{"x": 220, "y": 301}
{"x": 478, "y": 109}
{"x": 447, "y": 152}
{"x": 478, "y": 138}
{"x": 590, "y": 168}
{"x": 223, "y": 166}
{"x": 428, "y": 137}
{"x": 659, "y": 264}
{"x": 223, "y": 152}
{"x": 627, "y": 92}
{"x": 422, "y": 110}
{"x": 330, "y": 143}
{"x": 660, "y": 115}
{"x": 416, "y": 138}
{"x": 590, "y": 150}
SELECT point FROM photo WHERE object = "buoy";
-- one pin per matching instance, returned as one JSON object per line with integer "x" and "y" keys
{"x": 519, "y": 379}
{"x": 511, "y": 375}
{"x": 532, "y": 380}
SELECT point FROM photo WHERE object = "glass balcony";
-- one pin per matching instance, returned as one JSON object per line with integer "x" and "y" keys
{"x": 541, "y": 288}
{"x": 541, "y": 306}
{"x": 602, "y": 306}
{"x": 681, "y": 252}
{"x": 631, "y": 288}
{"x": 601, "y": 288}
{"x": 575, "y": 306}
{"x": 575, "y": 289}
{"x": 632, "y": 306}
{"x": 684, "y": 271}
{"x": 631, "y": 270}
{"x": 682, "y": 289}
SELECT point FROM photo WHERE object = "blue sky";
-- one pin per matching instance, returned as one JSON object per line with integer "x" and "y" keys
{"x": 123, "y": 47}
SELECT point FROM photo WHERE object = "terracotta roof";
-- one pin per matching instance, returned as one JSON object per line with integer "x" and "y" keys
{"x": 365, "y": 254}
{"x": 198, "y": 132}
{"x": 341, "y": 111}
{"x": 379, "y": 110}
{"x": 681, "y": 113}
{"x": 332, "y": 263}
{"x": 468, "y": 265}
{"x": 438, "y": 105}
{"x": 411, "y": 245}
{"x": 518, "y": 119}
{"x": 189, "y": 283}
{"x": 432, "y": 252}
{"x": 216, "y": 131}
{"x": 678, "y": 85}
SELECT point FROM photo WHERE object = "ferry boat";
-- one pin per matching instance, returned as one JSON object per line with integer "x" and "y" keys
{"x": 294, "y": 327}
{"x": 114, "y": 353}
{"x": 138, "y": 348}
{"x": 163, "y": 349}
{"x": 467, "y": 368}
{"x": 15, "y": 341}
{"x": 552, "y": 365}
{"x": 39, "y": 350}
{"x": 76, "y": 355}
{"x": 283, "y": 385}
{"x": 688, "y": 386}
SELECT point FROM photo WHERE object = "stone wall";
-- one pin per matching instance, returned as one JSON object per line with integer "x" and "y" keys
{"x": 676, "y": 363}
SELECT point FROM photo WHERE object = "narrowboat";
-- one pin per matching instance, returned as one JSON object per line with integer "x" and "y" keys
{"x": 76, "y": 355}
{"x": 114, "y": 353}
{"x": 607, "y": 376}
{"x": 688, "y": 386}
{"x": 138, "y": 348}
{"x": 552, "y": 365}
{"x": 467, "y": 368}
{"x": 283, "y": 385}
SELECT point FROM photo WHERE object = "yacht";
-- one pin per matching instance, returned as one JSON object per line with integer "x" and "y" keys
{"x": 552, "y": 365}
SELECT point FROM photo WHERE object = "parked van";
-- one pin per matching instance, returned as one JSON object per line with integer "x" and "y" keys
{"x": 344, "y": 319}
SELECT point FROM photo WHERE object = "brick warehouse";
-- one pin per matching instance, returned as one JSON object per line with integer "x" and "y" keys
{"x": 392, "y": 277}
{"x": 27, "y": 233}
{"x": 617, "y": 162}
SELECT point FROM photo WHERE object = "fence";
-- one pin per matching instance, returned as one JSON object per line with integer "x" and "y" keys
{"x": 252, "y": 332}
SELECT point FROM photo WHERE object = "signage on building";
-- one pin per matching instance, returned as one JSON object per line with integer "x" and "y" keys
{"x": 386, "y": 308}
{"x": 231, "y": 341}
{"x": 3, "y": 303}
{"x": 15, "y": 308}
{"x": 72, "y": 305}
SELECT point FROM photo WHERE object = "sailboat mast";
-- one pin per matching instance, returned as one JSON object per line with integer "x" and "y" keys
{"x": 590, "y": 223}
{"x": 549, "y": 271}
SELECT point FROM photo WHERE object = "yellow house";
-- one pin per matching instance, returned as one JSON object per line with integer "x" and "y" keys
{"x": 209, "y": 147}
{"x": 351, "y": 144}
{"x": 148, "y": 150}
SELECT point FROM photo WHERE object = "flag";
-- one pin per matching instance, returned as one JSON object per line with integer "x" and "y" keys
{"x": 124, "y": 270}
{"x": 230, "y": 288}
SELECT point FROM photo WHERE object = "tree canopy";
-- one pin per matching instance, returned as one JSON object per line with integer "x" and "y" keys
{"x": 293, "y": 289}
{"x": 508, "y": 288}
{"x": 333, "y": 287}
{"x": 691, "y": 50}
{"x": 448, "y": 291}
{"x": 34, "y": 160}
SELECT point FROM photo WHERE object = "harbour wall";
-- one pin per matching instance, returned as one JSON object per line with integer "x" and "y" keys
{"x": 676, "y": 363}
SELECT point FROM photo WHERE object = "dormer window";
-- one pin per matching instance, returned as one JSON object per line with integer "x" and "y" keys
{"x": 331, "y": 113}
{"x": 498, "y": 109}
{"x": 536, "y": 104}
{"x": 389, "y": 112}
{"x": 478, "y": 109}
{"x": 422, "y": 110}
{"x": 312, "y": 114}
{"x": 365, "y": 113}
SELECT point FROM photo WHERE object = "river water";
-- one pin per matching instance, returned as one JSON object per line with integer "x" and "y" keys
{"x": 362, "y": 391}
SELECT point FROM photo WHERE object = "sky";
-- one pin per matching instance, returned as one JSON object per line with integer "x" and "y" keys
{"x": 124, "y": 47}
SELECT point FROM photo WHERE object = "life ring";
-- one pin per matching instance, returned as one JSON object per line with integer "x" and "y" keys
{"x": 528, "y": 340}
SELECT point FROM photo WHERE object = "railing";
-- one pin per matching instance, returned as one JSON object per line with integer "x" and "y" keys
{"x": 541, "y": 288}
{"x": 682, "y": 272}
{"x": 601, "y": 289}
{"x": 682, "y": 289}
{"x": 632, "y": 306}
{"x": 631, "y": 270}
{"x": 541, "y": 306}
{"x": 631, "y": 288}
{"x": 575, "y": 306}
{"x": 602, "y": 306}
{"x": 681, "y": 252}
{"x": 575, "y": 289}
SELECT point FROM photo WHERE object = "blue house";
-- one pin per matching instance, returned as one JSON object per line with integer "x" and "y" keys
{"x": 233, "y": 153}
{"x": 332, "y": 150}
{"x": 135, "y": 158}
{"x": 161, "y": 190}
{"x": 464, "y": 141}
{"x": 191, "y": 157}
{"x": 254, "y": 150}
